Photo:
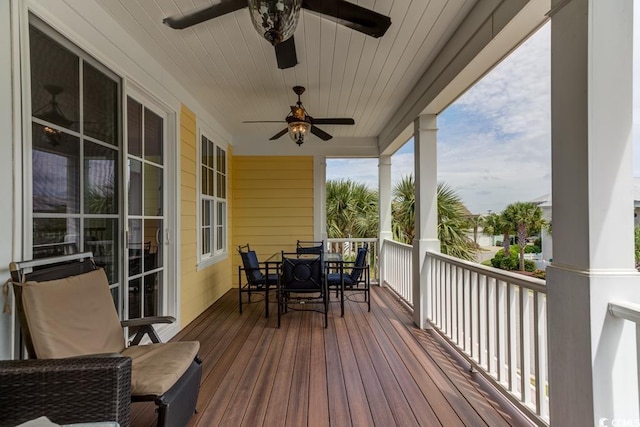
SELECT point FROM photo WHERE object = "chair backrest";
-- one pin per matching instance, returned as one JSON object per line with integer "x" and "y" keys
{"x": 302, "y": 273}
{"x": 251, "y": 266}
{"x": 361, "y": 258}
{"x": 66, "y": 312}
{"x": 310, "y": 247}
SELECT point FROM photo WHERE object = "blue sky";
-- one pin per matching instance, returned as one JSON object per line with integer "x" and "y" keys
{"x": 494, "y": 142}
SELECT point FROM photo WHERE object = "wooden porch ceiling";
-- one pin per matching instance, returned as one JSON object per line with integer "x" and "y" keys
{"x": 365, "y": 369}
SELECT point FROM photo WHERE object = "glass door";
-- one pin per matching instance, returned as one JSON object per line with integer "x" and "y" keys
{"x": 74, "y": 155}
{"x": 146, "y": 214}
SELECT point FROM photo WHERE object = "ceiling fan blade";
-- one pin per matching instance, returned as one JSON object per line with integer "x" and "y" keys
{"x": 286, "y": 54}
{"x": 320, "y": 133}
{"x": 181, "y": 22}
{"x": 351, "y": 16}
{"x": 333, "y": 121}
{"x": 264, "y": 121}
{"x": 279, "y": 134}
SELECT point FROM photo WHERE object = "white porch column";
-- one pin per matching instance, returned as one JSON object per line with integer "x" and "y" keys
{"x": 384, "y": 206}
{"x": 426, "y": 214}
{"x": 592, "y": 356}
{"x": 320, "y": 198}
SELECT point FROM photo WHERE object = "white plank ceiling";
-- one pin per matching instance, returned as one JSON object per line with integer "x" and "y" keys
{"x": 232, "y": 70}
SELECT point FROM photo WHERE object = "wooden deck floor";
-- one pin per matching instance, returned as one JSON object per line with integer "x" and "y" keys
{"x": 365, "y": 369}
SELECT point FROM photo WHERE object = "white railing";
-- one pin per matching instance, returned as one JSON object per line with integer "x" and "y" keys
{"x": 396, "y": 269}
{"x": 348, "y": 247}
{"x": 498, "y": 321}
{"x": 631, "y": 312}
{"x": 494, "y": 318}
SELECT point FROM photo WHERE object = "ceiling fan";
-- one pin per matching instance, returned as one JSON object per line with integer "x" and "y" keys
{"x": 51, "y": 112}
{"x": 276, "y": 20}
{"x": 299, "y": 123}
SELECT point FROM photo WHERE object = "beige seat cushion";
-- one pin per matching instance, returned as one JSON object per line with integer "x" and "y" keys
{"x": 73, "y": 316}
{"x": 157, "y": 367}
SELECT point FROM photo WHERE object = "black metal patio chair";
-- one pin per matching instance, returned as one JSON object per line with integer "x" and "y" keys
{"x": 310, "y": 247}
{"x": 257, "y": 279}
{"x": 301, "y": 283}
{"x": 357, "y": 281}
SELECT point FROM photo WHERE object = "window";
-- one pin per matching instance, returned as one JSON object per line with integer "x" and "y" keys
{"x": 76, "y": 143}
{"x": 213, "y": 200}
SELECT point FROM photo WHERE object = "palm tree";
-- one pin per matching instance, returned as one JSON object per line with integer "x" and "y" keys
{"x": 352, "y": 209}
{"x": 526, "y": 218}
{"x": 474, "y": 222}
{"x": 494, "y": 224}
{"x": 403, "y": 209}
{"x": 452, "y": 224}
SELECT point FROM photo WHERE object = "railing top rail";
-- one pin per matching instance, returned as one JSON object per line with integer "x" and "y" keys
{"x": 532, "y": 283}
{"x": 396, "y": 243}
{"x": 625, "y": 310}
{"x": 352, "y": 239}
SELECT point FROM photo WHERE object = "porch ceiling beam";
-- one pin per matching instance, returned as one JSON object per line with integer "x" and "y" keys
{"x": 490, "y": 31}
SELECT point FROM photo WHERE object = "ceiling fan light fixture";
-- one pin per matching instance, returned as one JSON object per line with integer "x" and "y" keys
{"x": 298, "y": 130}
{"x": 51, "y": 111}
{"x": 275, "y": 20}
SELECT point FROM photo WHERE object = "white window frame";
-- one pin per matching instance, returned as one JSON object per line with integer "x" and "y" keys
{"x": 215, "y": 255}
{"x": 128, "y": 87}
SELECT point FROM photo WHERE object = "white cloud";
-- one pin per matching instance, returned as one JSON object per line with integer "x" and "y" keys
{"x": 401, "y": 166}
{"x": 494, "y": 143}
{"x": 361, "y": 170}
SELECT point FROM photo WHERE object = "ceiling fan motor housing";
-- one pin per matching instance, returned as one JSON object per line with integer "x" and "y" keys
{"x": 276, "y": 20}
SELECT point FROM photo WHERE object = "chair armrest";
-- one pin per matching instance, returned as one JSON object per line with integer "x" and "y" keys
{"x": 145, "y": 327}
{"x": 99, "y": 355}
{"x": 147, "y": 321}
{"x": 74, "y": 390}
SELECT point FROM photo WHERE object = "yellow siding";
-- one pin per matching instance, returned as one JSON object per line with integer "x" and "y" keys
{"x": 272, "y": 203}
{"x": 198, "y": 289}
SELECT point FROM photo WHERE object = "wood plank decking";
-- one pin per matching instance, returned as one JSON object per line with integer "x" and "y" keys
{"x": 365, "y": 369}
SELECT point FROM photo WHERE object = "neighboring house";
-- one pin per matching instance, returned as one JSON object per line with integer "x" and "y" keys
{"x": 544, "y": 202}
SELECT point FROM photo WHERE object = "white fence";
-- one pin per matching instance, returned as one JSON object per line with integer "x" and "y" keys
{"x": 396, "y": 269}
{"x": 348, "y": 247}
{"x": 495, "y": 319}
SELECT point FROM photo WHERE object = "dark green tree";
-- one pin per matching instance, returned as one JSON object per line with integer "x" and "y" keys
{"x": 494, "y": 224}
{"x": 525, "y": 218}
{"x": 403, "y": 210}
{"x": 352, "y": 209}
{"x": 452, "y": 219}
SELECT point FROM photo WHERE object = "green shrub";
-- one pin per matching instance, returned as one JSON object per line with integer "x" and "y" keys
{"x": 506, "y": 263}
{"x": 637, "y": 245}
{"x": 532, "y": 249}
{"x": 512, "y": 262}
{"x": 540, "y": 274}
{"x": 529, "y": 265}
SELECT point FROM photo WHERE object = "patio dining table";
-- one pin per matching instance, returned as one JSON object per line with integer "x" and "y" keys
{"x": 332, "y": 260}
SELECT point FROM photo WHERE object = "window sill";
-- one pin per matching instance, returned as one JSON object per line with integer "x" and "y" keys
{"x": 208, "y": 262}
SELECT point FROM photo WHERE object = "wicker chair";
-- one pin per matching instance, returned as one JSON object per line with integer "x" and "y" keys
{"x": 77, "y": 390}
{"x": 66, "y": 310}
